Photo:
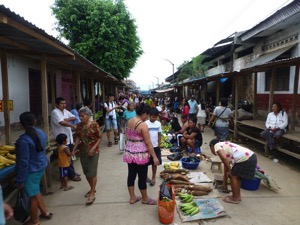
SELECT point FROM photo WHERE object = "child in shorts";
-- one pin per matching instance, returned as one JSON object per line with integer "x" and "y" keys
{"x": 154, "y": 128}
{"x": 64, "y": 161}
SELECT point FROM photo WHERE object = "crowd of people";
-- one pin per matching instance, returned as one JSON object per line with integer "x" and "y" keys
{"x": 140, "y": 119}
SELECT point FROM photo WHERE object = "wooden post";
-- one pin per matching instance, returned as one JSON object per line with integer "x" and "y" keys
{"x": 217, "y": 92}
{"x": 294, "y": 100}
{"x": 78, "y": 88}
{"x": 272, "y": 87}
{"x": 5, "y": 90}
{"x": 254, "y": 95}
{"x": 103, "y": 93}
{"x": 116, "y": 93}
{"x": 93, "y": 95}
{"x": 44, "y": 95}
{"x": 236, "y": 100}
{"x": 53, "y": 94}
{"x": 205, "y": 90}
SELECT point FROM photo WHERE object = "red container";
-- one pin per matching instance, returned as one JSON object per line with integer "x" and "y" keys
{"x": 166, "y": 209}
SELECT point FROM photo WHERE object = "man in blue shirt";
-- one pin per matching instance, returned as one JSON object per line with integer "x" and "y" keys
{"x": 75, "y": 112}
{"x": 193, "y": 107}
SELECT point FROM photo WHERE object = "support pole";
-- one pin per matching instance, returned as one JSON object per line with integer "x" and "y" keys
{"x": 294, "y": 100}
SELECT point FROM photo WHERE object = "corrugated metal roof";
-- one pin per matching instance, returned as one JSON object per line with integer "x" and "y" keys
{"x": 279, "y": 16}
{"x": 18, "y": 36}
{"x": 267, "y": 57}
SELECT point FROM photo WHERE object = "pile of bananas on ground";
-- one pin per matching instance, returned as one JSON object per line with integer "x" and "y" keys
{"x": 189, "y": 207}
{"x": 7, "y": 156}
{"x": 166, "y": 128}
{"x": 164, "y": 142}
{"x": 172, "y": 166}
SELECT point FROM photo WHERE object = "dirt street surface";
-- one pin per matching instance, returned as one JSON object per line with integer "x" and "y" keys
{"x": 111, "y": 207}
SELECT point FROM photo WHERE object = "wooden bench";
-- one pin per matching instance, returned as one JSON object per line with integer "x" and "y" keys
{"x": 291, "y": 135}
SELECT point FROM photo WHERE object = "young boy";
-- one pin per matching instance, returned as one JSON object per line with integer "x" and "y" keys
{"x": 64, "y": 161}
{"x": 154, "y": 127}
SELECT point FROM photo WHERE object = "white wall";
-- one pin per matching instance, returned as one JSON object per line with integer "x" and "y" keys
{"x": 18, "y": 86}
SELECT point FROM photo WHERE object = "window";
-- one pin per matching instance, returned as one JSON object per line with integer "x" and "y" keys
{"x": 282, "y": 79}
{"x": 245, "y": 52}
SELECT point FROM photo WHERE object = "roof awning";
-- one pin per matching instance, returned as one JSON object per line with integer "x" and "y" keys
{"x": 268, "y": 57}
{"x": 164, "y": 90}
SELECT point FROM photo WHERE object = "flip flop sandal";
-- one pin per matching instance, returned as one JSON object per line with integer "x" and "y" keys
{"x": 116, "y": 141}
{"x": 139, "y": 198}
{"x": 48, "y": 216}
{"x": 88, "y": 194}
{"x": 152, "y": 183}
{"x": 109, "y": 144}
{"x": 29, "y": 222}
{"x": 68, "y": 188}
{"x": 228, "y": 199}
{"x": 150, "y": 202}
{"x": 76, "y": 178}
{"x": 90, "y": 201}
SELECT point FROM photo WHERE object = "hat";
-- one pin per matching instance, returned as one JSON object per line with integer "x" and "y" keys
{"x": 193, "y": 96}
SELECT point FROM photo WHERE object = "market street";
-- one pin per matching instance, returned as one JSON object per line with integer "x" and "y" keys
{"x": 112, "y": 207}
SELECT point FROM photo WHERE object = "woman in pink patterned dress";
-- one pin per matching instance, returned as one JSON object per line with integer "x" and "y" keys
{"x": 137, "y": 152}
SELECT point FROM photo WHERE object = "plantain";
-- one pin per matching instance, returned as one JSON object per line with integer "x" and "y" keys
{"x": 6, "y": 161}
{"x": 11, "y": 156}
{"x": 195, "y": 211}
{"x": 7, "y": 147}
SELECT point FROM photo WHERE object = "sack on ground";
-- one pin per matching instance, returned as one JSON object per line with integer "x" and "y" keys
{"x": 22, "y": 207}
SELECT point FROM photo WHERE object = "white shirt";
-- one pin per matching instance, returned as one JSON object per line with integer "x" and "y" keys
{"x": 111, "y": 113}
{"x": 58, "y": 116}
{"x": 277, "y": 121}
{"x": 154, "y": 128}
{"x": 201, "y": 112}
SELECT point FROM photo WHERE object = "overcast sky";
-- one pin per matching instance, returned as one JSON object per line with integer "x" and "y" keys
{"x": 176, "y": 30}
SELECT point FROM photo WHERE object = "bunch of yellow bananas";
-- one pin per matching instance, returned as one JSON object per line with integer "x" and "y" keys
{"x": 5, "y": 162}
{"x": 172, "y": 166}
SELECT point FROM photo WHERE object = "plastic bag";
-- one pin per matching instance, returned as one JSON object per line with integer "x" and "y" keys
{"x": 122, "y": 142}
{"x": 166, "y": 209}
{"x": 22, "y": 207}
{"x": 164, "y": 191}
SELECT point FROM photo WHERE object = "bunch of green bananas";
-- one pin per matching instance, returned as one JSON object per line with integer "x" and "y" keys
{"x": 186, "y": 197}
{"x": 190, "y": 208}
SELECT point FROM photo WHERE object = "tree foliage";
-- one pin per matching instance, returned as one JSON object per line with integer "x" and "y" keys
{"x": 194, "y": 68}
{"x": 100, "y": 30}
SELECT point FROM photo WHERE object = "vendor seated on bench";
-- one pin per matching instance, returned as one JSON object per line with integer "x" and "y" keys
{"x": 178, "y": 134}
{"x": 192, "y": 137}
{"x": 276, "y": 124}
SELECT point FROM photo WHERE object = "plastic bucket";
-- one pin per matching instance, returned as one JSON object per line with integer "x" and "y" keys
{"x": 166, "y": 209}
{"x": 250, "y": 185}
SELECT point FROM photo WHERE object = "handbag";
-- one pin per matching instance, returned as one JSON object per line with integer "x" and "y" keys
{"x": 22, "y": 206}
{"x": 122, "y": 142}
{"x": 213, "y": 126}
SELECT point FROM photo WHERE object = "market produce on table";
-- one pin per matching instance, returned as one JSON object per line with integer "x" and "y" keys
{"x": 7, "y": 158}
